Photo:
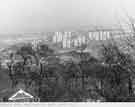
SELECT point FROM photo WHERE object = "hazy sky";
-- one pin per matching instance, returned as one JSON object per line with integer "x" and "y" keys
{"x": 43, "y": 15}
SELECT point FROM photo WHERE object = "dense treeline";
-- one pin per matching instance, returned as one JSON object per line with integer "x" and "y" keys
{"x": 44, "y": 73}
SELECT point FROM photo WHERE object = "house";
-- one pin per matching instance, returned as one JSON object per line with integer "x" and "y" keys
{"x": 19, "y": 96}
{"x": 23, "y": 96}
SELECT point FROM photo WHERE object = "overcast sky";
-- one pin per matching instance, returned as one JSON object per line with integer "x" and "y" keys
{"x": 45, "y": 15}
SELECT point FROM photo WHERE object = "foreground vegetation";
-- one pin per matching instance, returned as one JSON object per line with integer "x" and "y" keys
{"x": 82, "y": 77}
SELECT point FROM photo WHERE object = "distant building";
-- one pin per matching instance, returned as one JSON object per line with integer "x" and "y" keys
{"x": 74, "y": 39}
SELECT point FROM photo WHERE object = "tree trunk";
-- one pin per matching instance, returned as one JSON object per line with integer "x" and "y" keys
{"x": 82, "y": 80}
{"x": 130, "y": 86}
{"x": 41, "y": 70}
{"x": 10, "y": 75}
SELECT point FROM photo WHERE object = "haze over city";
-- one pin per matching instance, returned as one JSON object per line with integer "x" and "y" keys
{"x": 53, "y": 15}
